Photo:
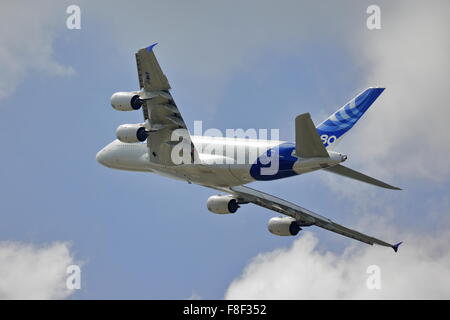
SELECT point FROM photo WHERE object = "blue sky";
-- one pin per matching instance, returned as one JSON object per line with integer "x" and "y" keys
{"x": 143, "y": 236}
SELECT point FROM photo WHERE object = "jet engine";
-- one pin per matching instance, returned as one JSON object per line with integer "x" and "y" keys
{"x": 283, "y": 226}
{"x": 131, "y": 133}
{"x": 126, "y": 101}
{"x": 222, "y": 204}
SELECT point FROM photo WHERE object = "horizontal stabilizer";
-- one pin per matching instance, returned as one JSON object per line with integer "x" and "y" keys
{"x": 347, "y": 172}
{"x": 307, "y": 140}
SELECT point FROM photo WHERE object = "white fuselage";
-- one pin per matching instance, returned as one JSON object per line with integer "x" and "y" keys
{"x": 224, "y": 162}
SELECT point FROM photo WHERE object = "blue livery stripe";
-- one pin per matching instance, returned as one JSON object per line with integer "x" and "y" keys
{"x": 345, "y": 118}
{"x": 286, "y": 160}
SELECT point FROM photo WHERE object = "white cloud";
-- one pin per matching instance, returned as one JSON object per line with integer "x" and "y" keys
{"x": 406, "y": 133}
{"x": 194, "y": 296}
{"x": 420, "y": 270}
{"x": 29, "y": 29}
{"x": 28, "y": 271}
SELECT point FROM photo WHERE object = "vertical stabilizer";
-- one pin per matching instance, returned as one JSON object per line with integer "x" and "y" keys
{"x": 340, "y": 122}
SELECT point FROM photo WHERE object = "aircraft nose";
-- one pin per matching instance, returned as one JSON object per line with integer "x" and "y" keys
{"x": 102, "y": 157}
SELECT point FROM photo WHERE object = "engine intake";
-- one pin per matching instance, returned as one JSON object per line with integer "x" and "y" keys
{"x": 222, "y": 204}
{"x": 284, "y": 226}
{"x": 131, "y": 133}
{"x": 126, "y": 101}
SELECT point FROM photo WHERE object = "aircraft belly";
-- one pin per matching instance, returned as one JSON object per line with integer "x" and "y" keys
{"x": 211, "y": 175}
{"x": 241, "y": 172}
{"x": 169, "y": 173}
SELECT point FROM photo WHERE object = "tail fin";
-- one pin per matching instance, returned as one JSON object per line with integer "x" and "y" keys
{"x": 307, "y": 141}
{"x": 340, "y": 122}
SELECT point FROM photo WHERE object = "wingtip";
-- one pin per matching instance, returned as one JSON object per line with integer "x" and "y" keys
{"x": 395, "y": 246}
{"x": 388, "y": 186}
{"x": 379, "y": 89}
{"x": 150, "y": 47}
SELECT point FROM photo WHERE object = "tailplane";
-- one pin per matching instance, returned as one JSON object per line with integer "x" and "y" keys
{"x": 340, "y": 122}
{"x": 350, "y": 173}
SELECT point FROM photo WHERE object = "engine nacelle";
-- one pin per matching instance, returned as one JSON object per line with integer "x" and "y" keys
{"x": 283, "y": 226}
{"x": 126, "y": 101}
{"x": 131, "y": 133}
{"x": 222, "y": 204}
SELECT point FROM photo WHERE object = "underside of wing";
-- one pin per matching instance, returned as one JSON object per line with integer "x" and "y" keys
{"x": 304, "y": 217}
{"x": 164, "y": 122}
{"x": 166, "y": 128}
{"x": 151, "y": 77}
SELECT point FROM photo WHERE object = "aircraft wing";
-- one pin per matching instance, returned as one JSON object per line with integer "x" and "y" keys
{"x": 151, "y": 77}
{"x": 161, "y": 113}
{"x": 303, "y": 216}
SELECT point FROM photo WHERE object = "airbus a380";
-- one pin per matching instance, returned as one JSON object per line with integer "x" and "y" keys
{"x": 150, "y": 146}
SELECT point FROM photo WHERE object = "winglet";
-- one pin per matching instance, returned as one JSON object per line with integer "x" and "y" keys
{"x": 150, "y": 48}
{"x": 395, "y": 246}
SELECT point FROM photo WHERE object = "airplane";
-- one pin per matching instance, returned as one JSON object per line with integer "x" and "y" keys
{"x": 150, "y": 146}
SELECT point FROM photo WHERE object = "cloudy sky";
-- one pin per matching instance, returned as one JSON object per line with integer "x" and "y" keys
{"x": 231, "y": 64}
